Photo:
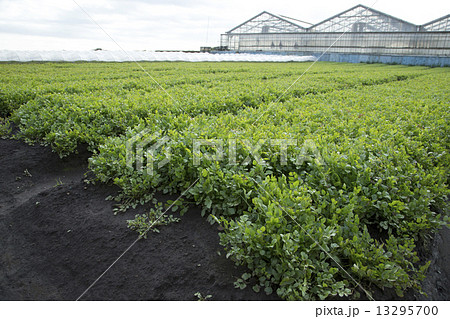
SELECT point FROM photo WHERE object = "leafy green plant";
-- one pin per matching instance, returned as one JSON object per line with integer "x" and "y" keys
{"x": 27, "y": 173}
{"x": 200, "y": 297}
{"x": 5, "y": 128}
{"x": 149, "y": 221}
{"x": 59, "y": 182}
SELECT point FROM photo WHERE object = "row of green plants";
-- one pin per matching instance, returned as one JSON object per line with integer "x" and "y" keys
{"x": 187, "y": 84}
{"x": 367, "y": 201}
{"x": 359, "y": 190}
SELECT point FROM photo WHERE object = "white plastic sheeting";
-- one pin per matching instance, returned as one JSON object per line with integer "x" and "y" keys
{"x": 120, "y": 56}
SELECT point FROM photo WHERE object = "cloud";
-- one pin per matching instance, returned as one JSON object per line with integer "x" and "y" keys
{"x": 164, "y": 24}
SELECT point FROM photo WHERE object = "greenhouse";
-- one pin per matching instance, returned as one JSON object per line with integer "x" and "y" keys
{"x": 360, "y": 30}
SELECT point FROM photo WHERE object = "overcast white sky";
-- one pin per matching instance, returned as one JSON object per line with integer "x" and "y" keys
{"x": 166, "y": 24}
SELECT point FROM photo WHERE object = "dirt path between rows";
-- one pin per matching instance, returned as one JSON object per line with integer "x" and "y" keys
{"x": 58, "y": 234}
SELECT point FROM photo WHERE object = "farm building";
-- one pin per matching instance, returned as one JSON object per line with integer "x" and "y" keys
{"x": 359, "y": 34}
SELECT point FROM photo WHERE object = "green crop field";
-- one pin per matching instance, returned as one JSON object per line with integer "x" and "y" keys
{"x": 319, "y": 184}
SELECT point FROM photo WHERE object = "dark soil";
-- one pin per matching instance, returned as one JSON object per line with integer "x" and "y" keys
{"x": 58, "y": 234}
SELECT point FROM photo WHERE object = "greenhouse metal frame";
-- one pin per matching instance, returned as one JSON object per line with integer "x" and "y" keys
{"x": 358, "y": 30}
